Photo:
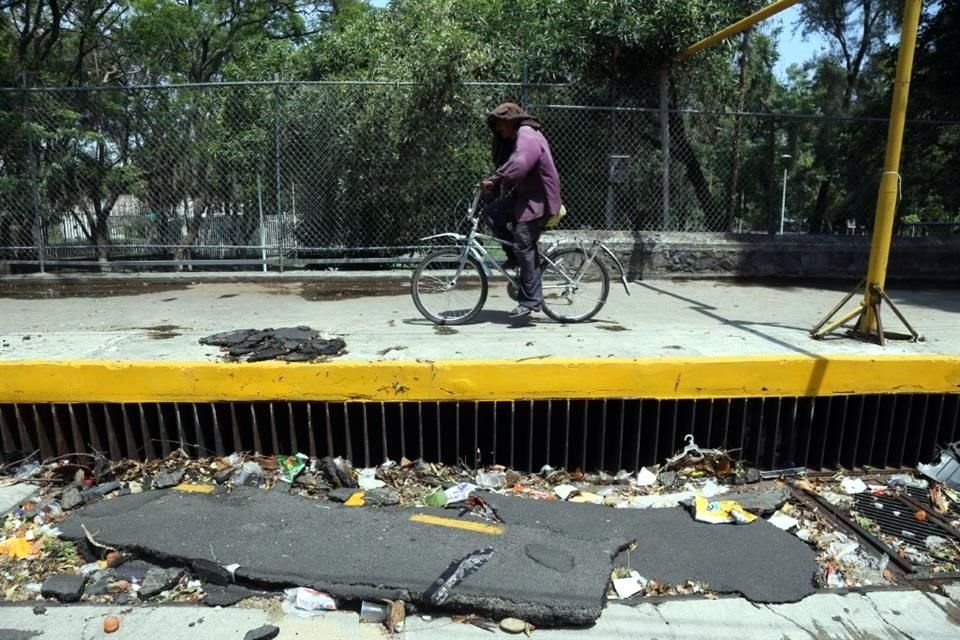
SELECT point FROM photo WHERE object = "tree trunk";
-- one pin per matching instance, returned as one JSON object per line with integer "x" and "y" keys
{"x": 683, "y": 151}
{"x": 738, "y": 130}
{"x": 821, "y": 217}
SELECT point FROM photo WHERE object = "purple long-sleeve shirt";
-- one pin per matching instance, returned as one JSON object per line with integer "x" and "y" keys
{"x": 531, "y": 170}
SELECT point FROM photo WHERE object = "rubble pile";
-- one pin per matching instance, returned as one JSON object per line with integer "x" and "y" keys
{"x": 36, "y": 563}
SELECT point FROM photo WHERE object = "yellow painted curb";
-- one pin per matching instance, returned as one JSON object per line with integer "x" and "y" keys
{"x": 659, "y": 378}
{"x": 466, "y": 525}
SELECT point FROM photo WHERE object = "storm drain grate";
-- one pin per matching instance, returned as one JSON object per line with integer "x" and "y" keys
{"x": 897, "y": 518}
{"x": 888, "y": 431}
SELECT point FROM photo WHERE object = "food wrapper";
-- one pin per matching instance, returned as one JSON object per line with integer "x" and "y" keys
{"x": 291, "y": 466}
{"x": 721, "y": 512}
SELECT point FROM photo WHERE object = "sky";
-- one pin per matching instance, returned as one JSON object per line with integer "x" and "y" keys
{"x": 793, "y": 46}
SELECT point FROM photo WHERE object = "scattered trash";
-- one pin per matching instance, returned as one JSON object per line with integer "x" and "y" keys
{"x": 373, "y": 612}
{"x": 587, "y": 497}
{"x": 936, "y": 543}
{"x": 726, "y": 511}
{"x": 646, "y": 478}
{"x": 356, "y": 500}
{"x": 710, "y": 489}
{"x": 774, "y": 474}
{"x": 905, "y": 480}
{"x": 938, "y": 500}
{"x": 515, "y": 626}
{"x": 440, "y": 590}
{"x": 834, "y": 579}
{"x": 111, "y": 624}
{"x": 946, "y": 470}
{"x": 437, "y": 499}
{"x": 396, "y": 617}
{"x": 459, "y": 492}
{"x": 249, "y": 474}
{"x": 564, "y": 491}
{"x": 16, "y": 548}
{"x": 851, "y": 486}
{"x": 782, "y": 521}
{"x": 491, "y": 479}
{"x": 292, "y": 344}
{"x": 292, "y": 466}
{"x": 307, "y": 603}
{"x": 367, "y": 480}
{"x": 630, "y": 586}
{"x": 661, "y": 501}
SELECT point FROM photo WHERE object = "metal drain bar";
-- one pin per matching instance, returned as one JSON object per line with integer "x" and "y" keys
{"x": 880, "y": 431}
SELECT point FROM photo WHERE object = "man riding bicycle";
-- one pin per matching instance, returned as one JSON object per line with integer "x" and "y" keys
{"x": 523, "y": 193}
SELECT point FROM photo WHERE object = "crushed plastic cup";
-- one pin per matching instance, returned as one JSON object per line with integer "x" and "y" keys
{"x": 491, "y": 479}
{"x": 373, "y": 612}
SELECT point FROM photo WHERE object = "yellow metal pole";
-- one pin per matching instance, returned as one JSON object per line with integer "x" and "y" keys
{"x": 737, "y": 27}
{"x": 890, "y": 181}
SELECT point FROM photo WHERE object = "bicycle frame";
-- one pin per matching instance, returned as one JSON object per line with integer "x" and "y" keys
{"x": 471, "y": 245}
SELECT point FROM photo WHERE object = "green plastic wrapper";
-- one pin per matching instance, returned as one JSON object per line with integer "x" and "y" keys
{"x": 291, "y": 466}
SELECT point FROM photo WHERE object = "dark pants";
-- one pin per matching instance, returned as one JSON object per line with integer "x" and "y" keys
{"x": 526, "y": 253}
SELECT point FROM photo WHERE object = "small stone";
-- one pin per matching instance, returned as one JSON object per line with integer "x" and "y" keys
{"x": 668, "y": 478}
{"x": 266, "y": 632}
{"x": 71, "y": 498}
{"x": 159, "y": 580}
{"x": 384, "y": 497}
{"x": 341, "y": 495}
{"x": 111, "y": 624}
{"x": 97, "y": 493}
{"x": 64, "y": 587}
{"x": 134, "y": 570}
{"x": 513, "y": 625}
{"x": 99, "y": 582}
{"x": 217, "y": 596}
{"x": 114, "y": 559}
{"x": 39, "y": 611}
{"x": 167, "y": 479}
{"x": 119, "y": 586}
{"x": 121, "y": 599}
{"x": 211, "y": 572}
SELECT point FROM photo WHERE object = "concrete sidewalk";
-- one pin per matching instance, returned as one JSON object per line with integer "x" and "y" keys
{"x": 662, "y": 319}
{"x": 892, "y": 615}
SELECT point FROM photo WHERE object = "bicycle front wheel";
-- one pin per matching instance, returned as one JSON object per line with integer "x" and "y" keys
{"x": 575, "y": 286}
{"x": 449, "y": 287}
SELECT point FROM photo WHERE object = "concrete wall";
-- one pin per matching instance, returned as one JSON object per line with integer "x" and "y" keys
{"x": 662, "y": 255}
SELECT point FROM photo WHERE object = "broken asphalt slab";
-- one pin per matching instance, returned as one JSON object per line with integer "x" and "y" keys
{"x": 758, "y": 561}
{"x": 357, "y": 553}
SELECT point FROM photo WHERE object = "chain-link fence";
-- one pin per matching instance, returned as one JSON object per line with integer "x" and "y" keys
{"x": 312, "y": 173}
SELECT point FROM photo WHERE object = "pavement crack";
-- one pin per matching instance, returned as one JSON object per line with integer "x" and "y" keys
{"x": 876, "y": 609}
{"x": 790, "y": 620}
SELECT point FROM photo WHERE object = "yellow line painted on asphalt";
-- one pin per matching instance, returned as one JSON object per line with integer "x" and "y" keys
{"x": 657, "y": 378}
{"x": 466, "y": 525}
{"x": 194, "y": 488}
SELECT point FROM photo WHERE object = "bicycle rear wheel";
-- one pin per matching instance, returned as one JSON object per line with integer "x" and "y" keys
{"x": 575, "y": 286}
{"x": 448, "y": 287}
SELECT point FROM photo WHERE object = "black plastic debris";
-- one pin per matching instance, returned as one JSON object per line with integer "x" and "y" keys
{"x": 290, "y": 344}
{"x": 440, "y": 590}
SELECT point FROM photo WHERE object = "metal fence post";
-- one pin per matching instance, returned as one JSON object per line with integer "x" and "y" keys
{"x": 665, "y": 143}
{"x": 524, "y": 90}
{"x": 277, "y": 133}
{"x": 34, "y": 179}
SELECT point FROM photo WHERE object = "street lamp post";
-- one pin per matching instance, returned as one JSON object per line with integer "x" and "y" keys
{"x": 783, "y": 198}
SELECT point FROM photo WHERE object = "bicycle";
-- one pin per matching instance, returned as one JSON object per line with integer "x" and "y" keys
{"x": 571, "y": 276}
